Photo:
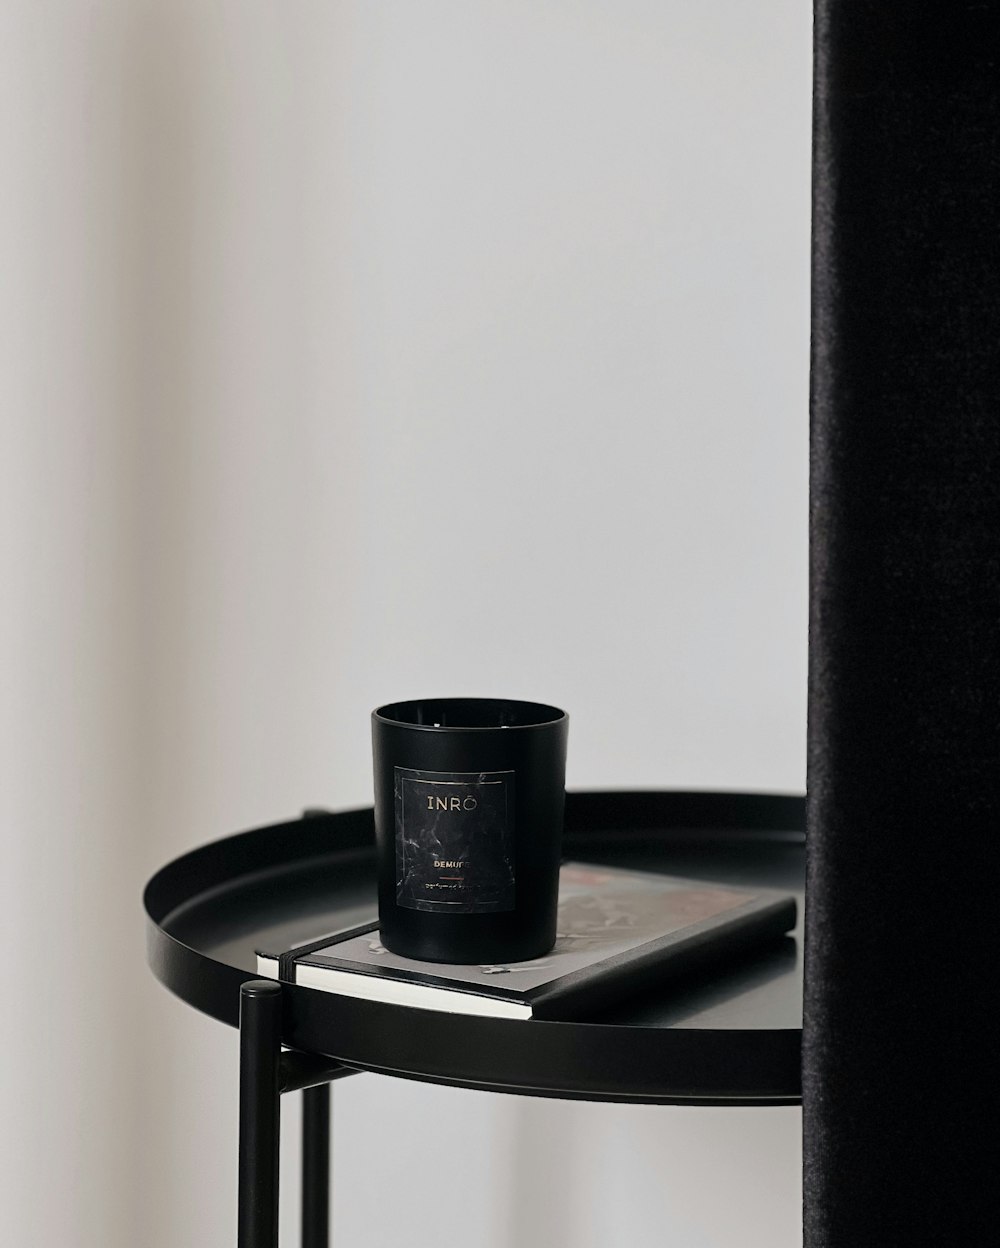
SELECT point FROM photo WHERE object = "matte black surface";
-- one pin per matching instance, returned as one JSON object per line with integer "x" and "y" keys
{"x": 900, "y": 1065}
{"x": 298, "y": 1071}
{"x": 260, "y": 1114}
{"x": 731, "y": 1037}
{"x": 316, "y": 1167}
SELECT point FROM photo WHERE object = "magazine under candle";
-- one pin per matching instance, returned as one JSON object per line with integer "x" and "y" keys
{"x": 619, "y": 931}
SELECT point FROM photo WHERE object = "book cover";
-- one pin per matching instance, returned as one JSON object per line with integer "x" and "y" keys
{"x": 618, "y": 931}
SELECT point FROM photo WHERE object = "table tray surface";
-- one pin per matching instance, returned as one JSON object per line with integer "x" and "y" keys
{"x": 725, "y": 1035}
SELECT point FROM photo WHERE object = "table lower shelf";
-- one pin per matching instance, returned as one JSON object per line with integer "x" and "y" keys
{"x": 729, "y": 1036}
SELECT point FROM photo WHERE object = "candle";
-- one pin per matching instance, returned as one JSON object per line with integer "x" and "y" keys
{"x": 469, "y": 798}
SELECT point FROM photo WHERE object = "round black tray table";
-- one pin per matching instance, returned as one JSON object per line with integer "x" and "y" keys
{"x": 730, "y": 1036}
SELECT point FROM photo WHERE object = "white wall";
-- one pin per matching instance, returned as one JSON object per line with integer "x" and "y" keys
{"x": 357, "y": 351}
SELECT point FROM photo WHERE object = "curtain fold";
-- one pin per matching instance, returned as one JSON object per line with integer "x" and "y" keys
{"x": 899, "y": 1075}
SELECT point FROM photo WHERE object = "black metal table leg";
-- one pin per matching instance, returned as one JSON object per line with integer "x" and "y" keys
{"x": 260, "y": 1094}
{"x": 316, "y": 1167}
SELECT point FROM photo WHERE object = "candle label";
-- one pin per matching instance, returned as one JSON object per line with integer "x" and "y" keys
{"x": 455, "y": 840}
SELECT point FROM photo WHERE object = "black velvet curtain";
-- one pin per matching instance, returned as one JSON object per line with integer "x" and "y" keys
{"x": 900, "y": 1069}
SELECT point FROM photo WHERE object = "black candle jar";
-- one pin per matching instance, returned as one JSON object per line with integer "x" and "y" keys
{"x": 469, "y": 797}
